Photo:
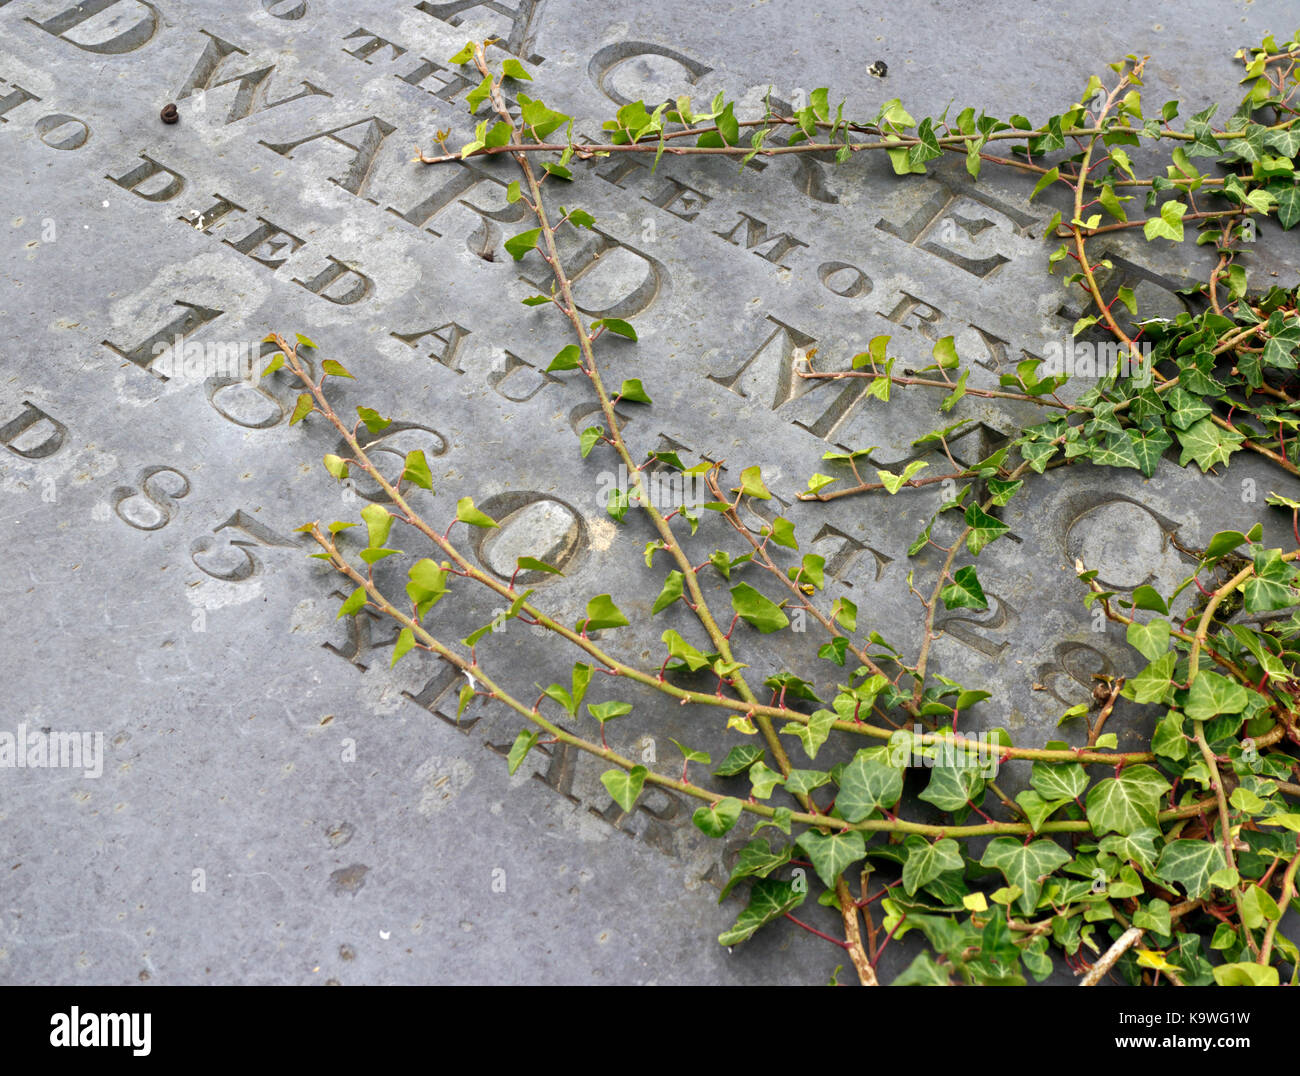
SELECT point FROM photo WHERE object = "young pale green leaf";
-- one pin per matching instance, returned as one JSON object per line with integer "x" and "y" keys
{"x": 615, "y": 325}
{"x": 624, "y": 786}
{"x": 671, "y": 592}
{"x": 416, "y": 471}
{"x": 602, "y": 613}
{"x": 467, "y": 513}
{"x": 633, "y": 392}
{"x": 524, "y": 743}
{"x": 757, "y": 610}
{"x": 716, "y": 819}
{"x": 568, "y": 357}
{"x": 405, "y": 641}
{"x": 378, "y": 523}
{"x": 519, "y": 245}
{"x": 354, "y": 604}
{"x": 374, "y": 421}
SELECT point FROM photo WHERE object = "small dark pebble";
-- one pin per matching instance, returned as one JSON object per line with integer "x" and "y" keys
{"x": 879, "y": 69}
{"x": 170, "y": 114}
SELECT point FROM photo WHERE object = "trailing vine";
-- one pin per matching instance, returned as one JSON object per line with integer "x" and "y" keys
{"x": 1174, "y": 864}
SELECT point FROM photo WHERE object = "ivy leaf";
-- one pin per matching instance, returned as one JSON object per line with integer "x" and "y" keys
{"x": 524, "y": 743}
{"x": 1025, "y": 865}
{"x": 467, "y": 513}
{"x": 353, "y": 604}
{"x": 1212, "y": 694}
{"x": 1205, "y": 443}
{"x": 813, "y": 734}
{"x": 926, "y": 861}
{"x": 633, "y": 391}
{"x": 738, "y": 760}
{"x": 589, "y": 439}
{"x": 1270, "y": 587}
{"x": 893, "y": 482}
{"x": 1190, "y": 864}
{"x": 1150, "y": 640}
{"x": 832, "y": 854}
{"x": 1169, "y": 225}
{"x": 756, "y": 610}
{"x": 964, "y": 592}
{"x": 1037, "y": 809}
{"x": 567, "y": 358}
{"x": 718, "y": 818}
{"x": 378, "y": 524}
{"x": 752, "y": 485}
{"x": 602, "y": 613}
{"x": 756, "y": 858}
{"x": 763, "y": 779}
{"x": 302, "y": 408}
{"x": 671, "y": 592}
{"x": 416, "y": 470}
{"x": 624, "y": 786}
{"x": 865, "y": 785}
{"x": 615, "y": 325}
{"x": 1126, "y": 803}
{"x": 1246, "y": 974}
{"x": 374, "y": 421}
{"x": 984, "y": 529}
{"x": 1152, "y": 683}
{"x": 1058, "y": 780}
{"x": 512, "y": 68}
{"x": 952, "y": 787}
{"x": 1139, "y": 846}
{"x": 769, "y": 899}
{"x": 519, "y": 245}
{"x": 335, "y": 368}
{"x": 405, "y": 640}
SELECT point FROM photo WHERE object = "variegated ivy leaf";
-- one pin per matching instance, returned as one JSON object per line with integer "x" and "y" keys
{"x": 1025, "y": 865}
{"x": 926, "y": 861}
{"x": 1190, "y": 864}
{"x": 832, "y": 854}
{"x": 1127, "y": 803}
{"x": 768, "y": 900}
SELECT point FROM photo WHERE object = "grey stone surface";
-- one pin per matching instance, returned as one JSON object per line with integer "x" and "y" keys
{"x": 277, "y": 805}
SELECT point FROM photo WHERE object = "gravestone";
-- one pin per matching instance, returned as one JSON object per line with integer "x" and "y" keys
{"x": 263, "y": 798}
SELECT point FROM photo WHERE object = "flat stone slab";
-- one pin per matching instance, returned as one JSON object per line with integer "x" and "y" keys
{"x": 266, "y": 800}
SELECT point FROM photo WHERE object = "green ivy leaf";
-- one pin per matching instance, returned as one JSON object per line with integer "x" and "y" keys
{"x": 716, "y": 819}
{"x": 769, "y": 899}
{"x": 1126, "y": 803}
{"x": 1190, "y": 864}
{"x": 416, "y": 470}
{"x": 834, "y": 853}
{"x": 984, "y": 529}
{"x": 1025, "y": 865}
{"x": 756, "y": 610}
{"x": 524, "y": 743}
{"x": 519, "y": 245}
{"x": 467, "y": 513}
{"x": 602, "y": 613}
{"x": 964, "y": 592}
{"x": 624, "y": 786}
{"x": 926, "y": 861}
{"x": 867, "y": 784}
